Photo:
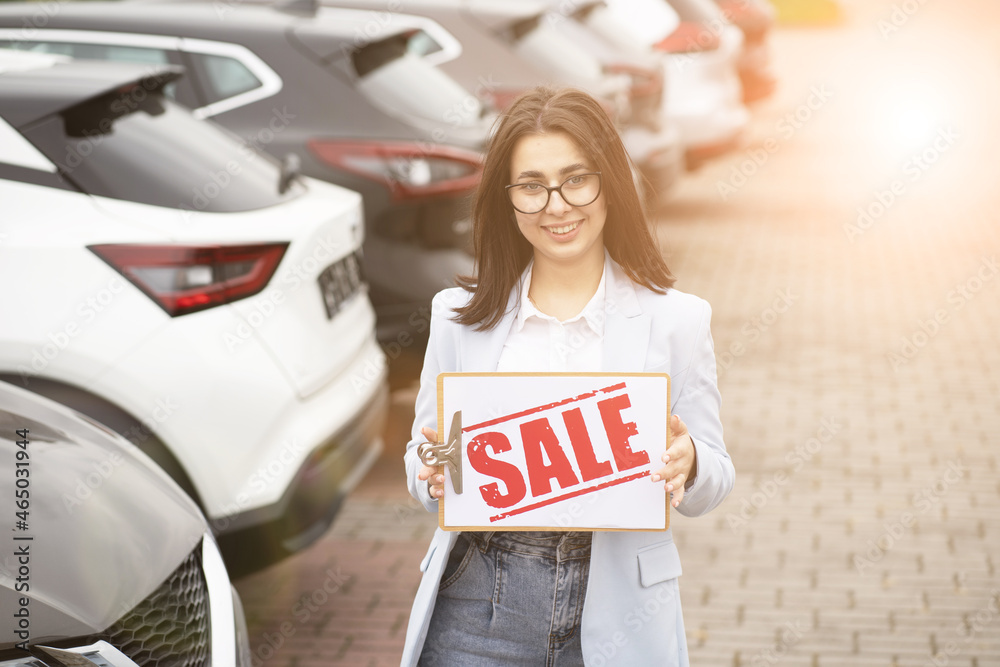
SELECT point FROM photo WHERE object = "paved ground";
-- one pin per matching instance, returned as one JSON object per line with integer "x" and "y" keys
{"x": 858, "y": 366}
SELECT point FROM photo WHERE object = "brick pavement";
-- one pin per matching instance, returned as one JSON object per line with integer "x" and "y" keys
{"x": 865, "y": 523}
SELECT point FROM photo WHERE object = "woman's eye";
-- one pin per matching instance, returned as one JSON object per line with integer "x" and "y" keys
{"x": 531, "y": 187}
{"x": 575, "y": 180}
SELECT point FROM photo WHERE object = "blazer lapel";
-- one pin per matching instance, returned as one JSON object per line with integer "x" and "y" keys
{"x": 626, "y": 329}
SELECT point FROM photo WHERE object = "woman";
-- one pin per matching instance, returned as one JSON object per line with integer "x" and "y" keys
{"x": 568, "y": 279}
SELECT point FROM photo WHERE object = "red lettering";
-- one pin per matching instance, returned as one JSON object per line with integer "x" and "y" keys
{"x": 590, "y": 467}
{"x": 538, "y": 434}
{"x": 620, "y": 431}
{"x": 505, "y": 472}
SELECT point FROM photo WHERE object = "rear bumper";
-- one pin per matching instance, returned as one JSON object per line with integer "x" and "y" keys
{"x": 264, "y": 535}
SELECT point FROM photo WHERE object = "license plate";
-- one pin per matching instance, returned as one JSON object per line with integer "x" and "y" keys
{"x": 340, "y": 282}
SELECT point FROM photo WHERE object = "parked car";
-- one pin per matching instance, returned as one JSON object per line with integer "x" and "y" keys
{"x": 700, "y": 49}
{"x": 498, "y": 50}
{"x": 664, "y": 162}
{"x": 755, "y": 19}
{"x": 339, "y": 89}
{"x": 107, "y": 561}
{"x": 194, "y": 295}
{"x": 632, "y": 92}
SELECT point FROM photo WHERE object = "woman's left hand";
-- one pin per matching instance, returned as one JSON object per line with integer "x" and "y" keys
{"x": 681, "y": 461}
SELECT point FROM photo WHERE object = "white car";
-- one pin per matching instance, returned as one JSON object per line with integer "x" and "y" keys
{"x": 700, "y": 49}
{"x": 191, "y": 293}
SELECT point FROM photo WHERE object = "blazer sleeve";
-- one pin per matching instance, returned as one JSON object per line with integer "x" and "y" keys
{"x": 441, "y": 356}
{"x": 698, "y": 403}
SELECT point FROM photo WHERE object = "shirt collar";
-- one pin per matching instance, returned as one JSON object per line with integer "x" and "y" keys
{"x": 593, "y": 313}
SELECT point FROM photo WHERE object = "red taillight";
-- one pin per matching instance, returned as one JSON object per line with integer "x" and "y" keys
{"x": 690, "y": 37}
{"x": 409, "y": 171}
{"x": 186, "y": 279}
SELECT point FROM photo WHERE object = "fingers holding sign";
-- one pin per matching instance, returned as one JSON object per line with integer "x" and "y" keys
{"x": 681, "y": 463}
{"x": 433, "y": 475}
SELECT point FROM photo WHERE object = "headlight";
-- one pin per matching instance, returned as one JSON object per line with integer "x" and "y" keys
{"x": 100, "y": 654}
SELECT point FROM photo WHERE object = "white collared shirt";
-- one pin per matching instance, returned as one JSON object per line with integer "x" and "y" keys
{"x": 541, "y": 343}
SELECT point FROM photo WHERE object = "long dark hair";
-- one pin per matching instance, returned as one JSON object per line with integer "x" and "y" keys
{"x": 502, "y": 252}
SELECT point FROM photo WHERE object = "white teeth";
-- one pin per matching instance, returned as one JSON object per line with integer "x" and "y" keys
{"x": 564, "y": 230}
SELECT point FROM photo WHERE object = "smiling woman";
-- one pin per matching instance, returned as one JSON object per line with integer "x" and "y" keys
{"x": 559, "y": 208}
{"x": 568, "y": 279}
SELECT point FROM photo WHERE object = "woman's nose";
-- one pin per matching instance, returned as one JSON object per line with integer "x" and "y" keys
{"x": 557, "y": 205}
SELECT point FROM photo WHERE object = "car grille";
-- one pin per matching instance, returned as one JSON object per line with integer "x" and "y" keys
{"x": 170, "y": 628}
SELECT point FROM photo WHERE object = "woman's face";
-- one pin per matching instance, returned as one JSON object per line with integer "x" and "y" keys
{"x": 560, "y": 232}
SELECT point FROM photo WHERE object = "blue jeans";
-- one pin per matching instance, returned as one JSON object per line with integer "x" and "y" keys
{"x": 510, "y": 598}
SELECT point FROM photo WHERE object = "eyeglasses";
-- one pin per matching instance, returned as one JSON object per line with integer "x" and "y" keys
{"x": 577, "y": 190}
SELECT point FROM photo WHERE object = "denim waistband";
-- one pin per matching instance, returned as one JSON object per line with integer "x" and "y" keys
{"x": 544, "y": 543}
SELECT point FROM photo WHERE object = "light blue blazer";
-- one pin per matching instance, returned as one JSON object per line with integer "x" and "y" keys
{"x": 632, "y": 612}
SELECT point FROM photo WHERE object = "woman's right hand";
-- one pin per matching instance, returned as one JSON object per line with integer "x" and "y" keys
{"x": 431, "y": 474}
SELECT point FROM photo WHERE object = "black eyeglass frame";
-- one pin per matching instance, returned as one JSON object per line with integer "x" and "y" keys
{"x": 558, "y": 188}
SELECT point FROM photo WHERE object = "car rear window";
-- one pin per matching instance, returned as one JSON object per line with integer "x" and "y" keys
{"x": 394, "y": 76}
{"x": 536, "y": 41}
{"x": 180, "y": 90}
{"x": 226, "y": 77}
{"x": 139, "y": 146}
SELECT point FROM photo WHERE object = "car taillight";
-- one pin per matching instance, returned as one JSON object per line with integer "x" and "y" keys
{"x": 409, "y": 171}
{"x": 186, "y": 279}
{"x": 690, "y": 37}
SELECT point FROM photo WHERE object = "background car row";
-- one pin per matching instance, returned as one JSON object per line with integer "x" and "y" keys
{"x": 207, "y": 238}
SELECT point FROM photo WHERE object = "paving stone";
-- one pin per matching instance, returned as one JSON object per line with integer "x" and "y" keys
{"x": 862, "y": 537}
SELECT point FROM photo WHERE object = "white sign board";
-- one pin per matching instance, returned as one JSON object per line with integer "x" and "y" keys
{"x": 554, "y": 451}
